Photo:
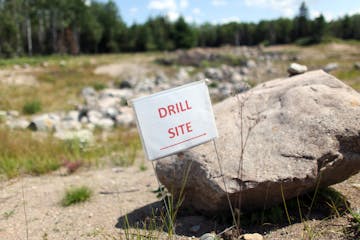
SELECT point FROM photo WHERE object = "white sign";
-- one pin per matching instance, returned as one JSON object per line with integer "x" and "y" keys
{"x": 174, "y": 120}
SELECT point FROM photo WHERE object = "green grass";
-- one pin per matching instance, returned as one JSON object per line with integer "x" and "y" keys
{"x": 32, "y": 107}
{"x": 33, "y": 153}
{"x": 76, "y": 195}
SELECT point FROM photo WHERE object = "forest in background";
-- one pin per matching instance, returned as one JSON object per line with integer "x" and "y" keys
{"x": 43, "y": 27}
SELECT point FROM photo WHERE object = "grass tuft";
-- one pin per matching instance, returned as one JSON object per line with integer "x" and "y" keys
{"x": 32, "y": 107}
{"x": 76, "y": 195}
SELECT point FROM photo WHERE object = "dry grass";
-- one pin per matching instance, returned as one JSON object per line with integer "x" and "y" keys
{"x": 35, "y": 153}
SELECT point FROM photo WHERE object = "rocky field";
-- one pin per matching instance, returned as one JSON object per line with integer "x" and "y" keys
{"x": 66, "y": 122}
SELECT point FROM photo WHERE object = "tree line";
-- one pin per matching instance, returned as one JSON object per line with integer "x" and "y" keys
{"x": 38, "y": 27}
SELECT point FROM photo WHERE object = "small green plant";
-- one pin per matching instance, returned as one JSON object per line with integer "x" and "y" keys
{"x": 8, "y": 214}
{"x": 143, "y": 167}
{"x": 99, "y": 86}
{"x": 76, "y": 195}
{"x": 32, "y": 107}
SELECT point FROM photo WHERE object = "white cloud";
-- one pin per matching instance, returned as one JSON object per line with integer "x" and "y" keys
{"x": 173, "y": 15}
{"x": 189, "y": 19}
{"x": 184, "y": 4}
{"x": 162, "y": 5}
{"x": 229, "y": 19}
{"x": 219, "y": 2}
{"x": 133, "y": 10}
{"x": 287, "y": 7}
{"x": 196, "y": 11}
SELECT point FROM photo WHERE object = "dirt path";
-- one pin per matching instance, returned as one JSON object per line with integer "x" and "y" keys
{"x": 115, "y": 193}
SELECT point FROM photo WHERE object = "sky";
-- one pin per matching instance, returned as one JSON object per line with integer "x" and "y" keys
{"x": 223, "y": 11}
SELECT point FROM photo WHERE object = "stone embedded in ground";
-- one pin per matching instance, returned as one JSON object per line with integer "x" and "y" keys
{"x": 331, "y": 67}
{"x": 18, "y": 123}
{"x": 357, "y": 65}
{"x": 296, "y": 68}
{"x": 295, "y": 129}
{"x": 44, "y": 122}
{"x": 252, "y": 236}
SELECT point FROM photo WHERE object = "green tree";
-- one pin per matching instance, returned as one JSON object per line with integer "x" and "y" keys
{"x": 183, "y": 36}
{"x": 318, "y": 29}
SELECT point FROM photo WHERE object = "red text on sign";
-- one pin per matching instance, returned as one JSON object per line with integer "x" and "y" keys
{"x": 174, "y": 109}
{"x": 180, "y": 130}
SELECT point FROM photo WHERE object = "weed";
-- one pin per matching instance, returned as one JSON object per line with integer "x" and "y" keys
{"x": 32, "y": 107}
{"x": 8, "y": 214}
{"x": 99, "y": 86}
{"x": 76, "y": 195}
{"x": 143, "y": 167}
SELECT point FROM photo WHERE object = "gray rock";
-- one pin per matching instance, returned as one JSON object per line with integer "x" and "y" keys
{"x": 296, "y": 129}
{"x": 17, "y": 123}
{"x": 125, "y": 84}
{"x": 84, "y": 135}
{"x": 94, "y": 116}
{"x": 182, "y": 75}
{"x": 214, "y": 73}
{"x": 357, "y": 65}
{"x": 107, "y": 102}
{"x": 13, "y": 113}
{"x": 251, "y": 64}
{"x": 296, "y": 68}
{"x": 331, "y": 67}
{"x": 72, "y": 115}
{"x": 105, "y": 123}
{"x": 45, "y": 122}
{"x": 88, "y": 91}
{"x": 68, "y": 124}
{"x": 208, "y": 236}
{"x": 116, "y": 93}
{"x": 125, "y": 119}
{"x": 236, "y": 77}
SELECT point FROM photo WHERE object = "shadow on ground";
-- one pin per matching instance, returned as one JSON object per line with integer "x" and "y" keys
{"x": 327, "y": 204}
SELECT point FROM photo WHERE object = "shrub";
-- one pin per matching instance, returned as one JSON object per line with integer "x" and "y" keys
{"x": 32, "y": 107}
{"x": 99, "y": 86}
{"x": 76, "y": 195}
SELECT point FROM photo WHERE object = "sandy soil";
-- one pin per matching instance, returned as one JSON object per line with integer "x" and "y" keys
{"x": 121, "y": 191}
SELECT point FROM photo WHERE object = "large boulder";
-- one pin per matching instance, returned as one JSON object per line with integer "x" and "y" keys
{"x": 296, "y": 132}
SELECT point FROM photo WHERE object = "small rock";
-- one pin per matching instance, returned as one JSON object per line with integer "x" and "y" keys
{"x": 88, "y": 91}
{"x": 331, "y": 67}
{"x": 252, "y": 236}
{"x": 105, "y": 123}
{"x": 13, "y": 113}
{"x": 116, "y": 93}
{"x": 45, "y": 122}
{"x": 45, "y": 64}
{"x": 208, "y": 236}
{"x": 68, "y": 125}
{"x": 357, "y": 65}
{"x": 214, "y": 73}
{"x": 296, "y": 68}
{"x": 125, "y": 84}
{"x": 251, "y": 64}
{"x": 17, "y": 123}
{"x": 73, "y": 115}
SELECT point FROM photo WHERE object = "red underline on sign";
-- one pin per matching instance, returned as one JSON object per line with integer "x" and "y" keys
{"x": 189, "y": 139}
